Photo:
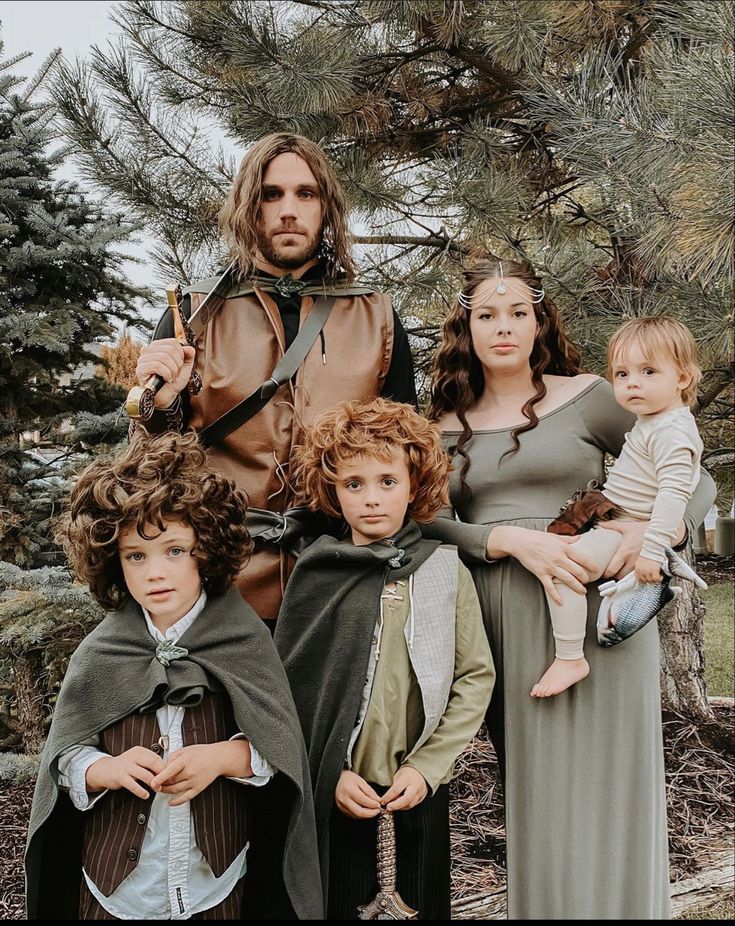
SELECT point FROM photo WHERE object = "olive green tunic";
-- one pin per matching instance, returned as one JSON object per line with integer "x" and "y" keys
{"x": 584, "y": 775}
{"x": 394, "y": 719}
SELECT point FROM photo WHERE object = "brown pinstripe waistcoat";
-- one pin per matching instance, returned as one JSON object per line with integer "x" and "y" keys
{"x": 115, "y": 826}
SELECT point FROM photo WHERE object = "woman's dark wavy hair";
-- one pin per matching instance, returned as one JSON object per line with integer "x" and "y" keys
{"x": 156, "y": 480}
{"x": 458, "y": 379}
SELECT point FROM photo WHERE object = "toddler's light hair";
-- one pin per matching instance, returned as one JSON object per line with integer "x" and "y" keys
{"x": 659, "y": 336}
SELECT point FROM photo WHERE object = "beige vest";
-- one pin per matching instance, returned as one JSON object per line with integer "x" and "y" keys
{"x": 430, "y": 634}
{"x": 238, "y": 351}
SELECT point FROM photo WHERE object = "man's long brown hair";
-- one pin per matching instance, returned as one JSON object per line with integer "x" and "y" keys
{"x": 458, "y": 379}
{"x": 239, "y": 215}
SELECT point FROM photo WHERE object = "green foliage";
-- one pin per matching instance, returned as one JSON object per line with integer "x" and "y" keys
{"x": 719, "y": 641}
{"x": 17, "y": 768}
{"x": 43, "y": 618}
{"x": 61, "y": 289}
{"x": 592, "y": 138}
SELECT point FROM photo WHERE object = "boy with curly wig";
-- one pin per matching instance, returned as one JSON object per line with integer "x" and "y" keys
{"x": 384, "y": 647}
{"x": 169, "y": 708}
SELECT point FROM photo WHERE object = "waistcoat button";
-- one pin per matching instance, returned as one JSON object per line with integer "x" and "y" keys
{"x": 132, "y": 854}
{"x": 141, "y": 818}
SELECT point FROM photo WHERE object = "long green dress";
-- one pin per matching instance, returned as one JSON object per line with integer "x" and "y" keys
{"x": 584, "y": 775}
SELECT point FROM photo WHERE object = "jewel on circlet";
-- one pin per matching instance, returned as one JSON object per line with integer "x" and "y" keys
{"x": 501, "y": 288}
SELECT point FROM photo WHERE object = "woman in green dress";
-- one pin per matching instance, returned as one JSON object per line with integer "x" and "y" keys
{"x": 583, "y": 771}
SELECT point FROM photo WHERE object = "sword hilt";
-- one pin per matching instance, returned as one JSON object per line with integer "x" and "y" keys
{"x": 386, "y": 852}
{"x": 388, "y": 903}
{"x": 140, "y": 403}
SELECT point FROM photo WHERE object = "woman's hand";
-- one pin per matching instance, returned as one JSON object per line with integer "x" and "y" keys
{"x": 548, "y": 556}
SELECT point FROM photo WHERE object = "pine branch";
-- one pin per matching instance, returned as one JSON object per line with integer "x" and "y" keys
{"x": 435, "y": 240}
{"x": 714, "y": 388}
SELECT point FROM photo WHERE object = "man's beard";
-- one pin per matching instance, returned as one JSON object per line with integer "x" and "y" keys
{"x": 291, "y": 261}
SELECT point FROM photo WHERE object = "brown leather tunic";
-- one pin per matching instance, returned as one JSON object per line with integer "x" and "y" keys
{"x": 238, "y": 351}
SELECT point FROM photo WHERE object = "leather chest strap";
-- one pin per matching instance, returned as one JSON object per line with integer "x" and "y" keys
{"x": 236, "y": 416}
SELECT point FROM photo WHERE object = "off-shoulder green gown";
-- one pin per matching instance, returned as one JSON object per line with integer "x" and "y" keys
{"x": 584, "y": 775}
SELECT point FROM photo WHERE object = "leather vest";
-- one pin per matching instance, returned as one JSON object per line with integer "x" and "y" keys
{"x": 114, "y": 828}
{"x": 238, "y": 351}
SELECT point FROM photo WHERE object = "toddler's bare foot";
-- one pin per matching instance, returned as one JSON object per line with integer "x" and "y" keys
{"x": 561, "y": 674}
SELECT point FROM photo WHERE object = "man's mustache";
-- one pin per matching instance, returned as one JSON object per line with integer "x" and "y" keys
{"x": 286, "y": 229}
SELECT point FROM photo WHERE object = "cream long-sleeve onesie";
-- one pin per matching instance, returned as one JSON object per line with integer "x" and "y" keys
{"x": 652, "y": 479}
{"x": 655, "y": 475}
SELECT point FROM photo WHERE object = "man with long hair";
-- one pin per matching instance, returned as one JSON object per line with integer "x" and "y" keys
{"x": 285, "y": 220}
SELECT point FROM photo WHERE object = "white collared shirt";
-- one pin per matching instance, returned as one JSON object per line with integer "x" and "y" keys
{"x": 172, "y": 879}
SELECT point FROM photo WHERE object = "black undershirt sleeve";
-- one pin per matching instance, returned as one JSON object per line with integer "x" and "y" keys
{"x": 400, "y": 383}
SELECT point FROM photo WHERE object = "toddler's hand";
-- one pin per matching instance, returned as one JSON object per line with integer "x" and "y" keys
{"x": 624, "y": 559}
{"x": 355, "y": 797}
{"x": 647, "y": 570}
{"x": 192, "y": 769}
{"x": 125, "y": 771}
{"x": 409, "y": 788}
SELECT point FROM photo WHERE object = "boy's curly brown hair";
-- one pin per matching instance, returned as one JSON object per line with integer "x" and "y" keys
{"x": 157, "y": 479}
{"x": 376, "y": 428}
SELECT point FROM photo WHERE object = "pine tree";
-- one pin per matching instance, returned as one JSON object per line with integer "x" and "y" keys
{"x": 43, "y": 618}
{"x": 591, "y": 137}
{"x": 60, "y": 291}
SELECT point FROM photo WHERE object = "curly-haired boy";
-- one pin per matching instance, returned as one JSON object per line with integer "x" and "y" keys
{"x": 168, "y": 708}
{"x": 383, "y": 643}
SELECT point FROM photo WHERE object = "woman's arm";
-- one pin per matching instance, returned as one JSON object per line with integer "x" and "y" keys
{"x": 471, "y": 540}
{"x": 547, "y": 556}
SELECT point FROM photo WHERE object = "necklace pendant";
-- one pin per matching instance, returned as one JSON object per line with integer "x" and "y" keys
{"x": 164, "y": 742}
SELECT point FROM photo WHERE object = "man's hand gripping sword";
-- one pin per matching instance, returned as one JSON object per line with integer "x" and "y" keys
{"x": 140, "y": 400}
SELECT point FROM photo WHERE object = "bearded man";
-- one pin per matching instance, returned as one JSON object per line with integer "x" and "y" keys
{"x": 286, "y": 222}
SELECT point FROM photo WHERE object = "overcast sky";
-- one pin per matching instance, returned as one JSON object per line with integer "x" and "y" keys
{"x": 40, "y": 26}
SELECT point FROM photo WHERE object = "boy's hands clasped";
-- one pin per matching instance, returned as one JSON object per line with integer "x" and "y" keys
{"x": 187, "y": 773}
{"x": 355, "y": 798}
{"x": 128, "y": 770}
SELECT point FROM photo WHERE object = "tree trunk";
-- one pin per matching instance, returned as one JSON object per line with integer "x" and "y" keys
{"x": 681, "y": 626}
{"x": 27, "y": 670}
